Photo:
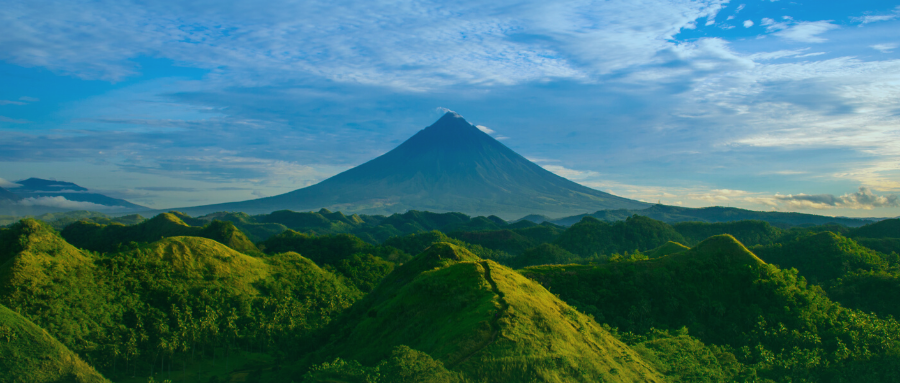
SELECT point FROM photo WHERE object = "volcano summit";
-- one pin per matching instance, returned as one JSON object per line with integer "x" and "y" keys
{"x": 448, "y": 166}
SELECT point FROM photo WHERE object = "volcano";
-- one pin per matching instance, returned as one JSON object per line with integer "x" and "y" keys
{"x": 448, "y": 166}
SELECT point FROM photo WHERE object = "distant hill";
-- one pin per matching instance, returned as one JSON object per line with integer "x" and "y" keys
{"x": 449, "y": 166}
{"x": 673, "y": 214}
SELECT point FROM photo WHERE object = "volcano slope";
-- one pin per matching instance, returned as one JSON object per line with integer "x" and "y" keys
{"x": 448, "y": 166}
{"x": 480, "y": 319}
{"x": 775, "y": 324}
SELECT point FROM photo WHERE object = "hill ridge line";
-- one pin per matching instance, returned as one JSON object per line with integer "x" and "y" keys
{"x": 495, "y": 325}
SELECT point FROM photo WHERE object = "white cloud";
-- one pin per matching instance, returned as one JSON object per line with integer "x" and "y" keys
{"x": 571, "y": 174}
{"x": 864, "y": 199}
{"x": 804, "y": 32}
{"x": 63, "y": 203}
{"x": 484, "y": 129}
{"x": 405, "y": 44}
{"x": 8, "y": 102}
{"x": 748, "y": 23}
{"x": 884, "y": 48}
{"x": 876, "y": 18}
{"x": 7, "y": 184}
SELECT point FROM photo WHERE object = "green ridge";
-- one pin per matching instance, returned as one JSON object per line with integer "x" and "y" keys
{"x": 108, "y": 238}
{"x": 666, "y": 249}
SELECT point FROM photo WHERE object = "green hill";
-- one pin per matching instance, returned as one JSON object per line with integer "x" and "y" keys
{"x": 514, "y": 241}
{"x": 483, "y": 320}
{"x": 883, "y": 236}
{"x": 54, "y": 284}
{"x": 127, "y": 311}
{"x": 503, "y": 240}
{"x": 776, "y": 325}
{"x": 889, "y": 228}
{"x": 749, "y": 232}
{"x": 107, "y": 238}
{"x": 28, "y": 354}
{"x": 594, "y": 237}
{"x": 417, "y": 243}
{"x": 666, "y": 249}
{"x": 822, "y": 257}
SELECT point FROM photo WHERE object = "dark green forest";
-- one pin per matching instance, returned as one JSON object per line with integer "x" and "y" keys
{"x": 443, "y": 297}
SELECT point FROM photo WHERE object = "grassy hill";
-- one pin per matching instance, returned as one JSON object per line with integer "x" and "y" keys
{"x": 107, "y": 238}
{"x": 667, "y": 248}
{"x": 889, "y": 228}
{"x": 776, "y": 325}
{"x": 594, "y": 237}
{"x": 180, "y": 300}
{"x": 822, "y": 257}
{"x": 481, "y": 319}
{"x": 749, "y": 232}
{"x": 28, "y": 354}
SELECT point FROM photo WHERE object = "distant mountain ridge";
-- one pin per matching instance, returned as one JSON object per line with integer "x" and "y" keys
{"x": 35, "y": 196}
{"x": 672, "y": 214}
{"x": 448, "y": 166}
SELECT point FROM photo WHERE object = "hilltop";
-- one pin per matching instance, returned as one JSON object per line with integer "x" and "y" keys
{"x": 483, "y": 320}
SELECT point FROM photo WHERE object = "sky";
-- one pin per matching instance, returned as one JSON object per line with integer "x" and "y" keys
{"x": 760, "y": 104}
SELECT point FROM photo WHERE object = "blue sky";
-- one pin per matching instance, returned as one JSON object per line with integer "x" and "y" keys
{"x": 768, "y": 105}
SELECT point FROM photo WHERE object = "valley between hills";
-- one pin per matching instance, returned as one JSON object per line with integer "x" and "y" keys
{"x": 445, "y": 297}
